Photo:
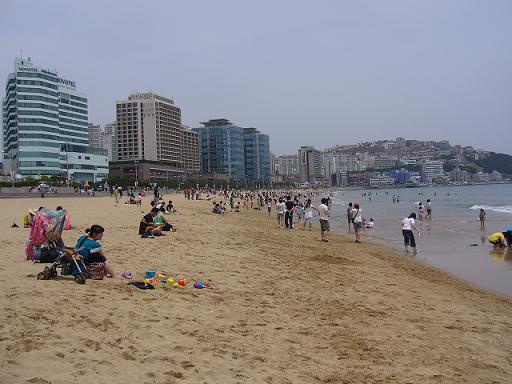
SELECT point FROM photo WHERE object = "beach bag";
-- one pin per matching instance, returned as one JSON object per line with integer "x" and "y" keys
{"x": 352, "y": 219}
{"x": 166, "y": 227}
{"x": 96, "y": 270}
{"x": 47, "y": 255}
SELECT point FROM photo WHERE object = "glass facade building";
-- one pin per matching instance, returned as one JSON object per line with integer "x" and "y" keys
{"x": 257, "y": 155}
{"x": 221, "y": 147}
{"x": 239, "y": 153}
{"x": 42, "y": 113}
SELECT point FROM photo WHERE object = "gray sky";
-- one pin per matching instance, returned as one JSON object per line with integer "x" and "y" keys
{"x": 304, "y": 72}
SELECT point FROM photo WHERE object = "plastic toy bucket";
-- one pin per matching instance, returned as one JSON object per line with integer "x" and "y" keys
{"x": 150, "y": 273}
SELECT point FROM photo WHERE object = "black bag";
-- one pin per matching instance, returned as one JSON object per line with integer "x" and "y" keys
{"x": 352, "y": 219}
{"x": 48, "y": 255}
{"x": 167, "y": 227}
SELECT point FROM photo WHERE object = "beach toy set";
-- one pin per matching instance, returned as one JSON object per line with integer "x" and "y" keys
{"x": 153, "y": 280}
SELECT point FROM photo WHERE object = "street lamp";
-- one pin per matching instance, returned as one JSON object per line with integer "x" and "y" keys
{"x": 136, "y": 173}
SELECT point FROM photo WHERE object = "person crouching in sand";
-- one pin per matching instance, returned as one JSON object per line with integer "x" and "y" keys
{"x": 501, "y": 239}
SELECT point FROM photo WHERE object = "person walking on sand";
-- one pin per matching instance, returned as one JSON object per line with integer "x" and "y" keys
{"x": 308, "y": 214}
{"x": 288, "y": 216}
{"x": 324, "y": 212}
{"x": 481, "y": 216}
{"x": 408, "y": 224}
{"x": 349, "y": 216}
{"x": 357, "y": 221}
{"x": 117, "y": 196}
{"x": 280, "y": 208}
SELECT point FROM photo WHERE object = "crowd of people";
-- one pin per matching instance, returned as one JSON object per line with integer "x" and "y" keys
{"x": 293, "y": 210}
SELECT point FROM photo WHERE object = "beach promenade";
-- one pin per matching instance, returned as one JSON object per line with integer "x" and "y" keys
{"x": 287, "y": 308}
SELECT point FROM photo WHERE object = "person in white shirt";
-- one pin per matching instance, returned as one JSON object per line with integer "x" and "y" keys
{"x": 408, "y": 224}
{"x": 280, "y": 209}
{"x": 308, "y": 214}
{"x": 324, "y": 212}
{"x": 357, "y": 221}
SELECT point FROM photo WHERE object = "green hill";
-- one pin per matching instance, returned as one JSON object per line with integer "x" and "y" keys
{"x": 496, "y": 161}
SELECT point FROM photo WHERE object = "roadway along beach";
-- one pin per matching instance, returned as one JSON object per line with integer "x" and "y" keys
{"x": 287, "y": 308}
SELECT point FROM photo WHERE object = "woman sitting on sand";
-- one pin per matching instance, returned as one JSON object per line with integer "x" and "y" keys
{"x": 162, "y": 222}
{"x": 90, "y": 248}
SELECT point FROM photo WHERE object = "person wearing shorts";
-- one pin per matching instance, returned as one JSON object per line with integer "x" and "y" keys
{"x": 357, "y": 221}
{"x": 324, "y": 212}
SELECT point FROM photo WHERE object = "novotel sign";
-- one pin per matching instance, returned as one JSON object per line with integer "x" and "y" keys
{"x": 67, "y": 83}
{"x": 30, "y": 69}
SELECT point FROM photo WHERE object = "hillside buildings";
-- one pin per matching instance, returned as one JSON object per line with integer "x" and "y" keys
{"x": 45, "y": 126}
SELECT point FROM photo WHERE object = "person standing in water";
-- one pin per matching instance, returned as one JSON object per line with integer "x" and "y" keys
{"x": 481, "y": 216}
{"x": 357, "y": 221}
{"x": 429, "y": 209}
{"x": 349, "y": 216}
{"x": 408, "y": 224}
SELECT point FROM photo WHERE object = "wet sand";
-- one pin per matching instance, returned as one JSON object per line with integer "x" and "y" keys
{"x": 287, "y": 308}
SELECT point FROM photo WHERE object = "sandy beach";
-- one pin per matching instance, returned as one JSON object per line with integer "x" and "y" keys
{"x": 287, "y": 308}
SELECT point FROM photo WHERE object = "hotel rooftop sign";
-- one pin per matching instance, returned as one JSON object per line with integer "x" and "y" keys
{"x": 64, "y": 82}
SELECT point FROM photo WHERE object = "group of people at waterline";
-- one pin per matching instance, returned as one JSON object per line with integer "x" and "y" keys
{"x": 287, "y": 208}
{"x": 294, "y": 212}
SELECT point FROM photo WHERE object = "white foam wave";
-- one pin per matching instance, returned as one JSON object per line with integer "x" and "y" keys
{"x": 501, "y": 209}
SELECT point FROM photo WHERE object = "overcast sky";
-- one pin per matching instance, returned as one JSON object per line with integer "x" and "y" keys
{"x": 305, "y": 72}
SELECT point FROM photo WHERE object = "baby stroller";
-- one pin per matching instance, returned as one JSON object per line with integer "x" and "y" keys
{"x": 70, "y": 262}
{"x": 45, "y": 245}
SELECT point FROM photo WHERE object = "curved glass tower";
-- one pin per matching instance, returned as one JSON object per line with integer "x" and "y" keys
{"x": 43, "y": 118}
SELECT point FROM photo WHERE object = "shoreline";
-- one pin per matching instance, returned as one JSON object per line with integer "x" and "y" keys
{"x": 286, "y": 308}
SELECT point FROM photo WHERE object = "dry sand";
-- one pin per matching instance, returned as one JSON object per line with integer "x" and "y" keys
{"x": 287, "y": 308}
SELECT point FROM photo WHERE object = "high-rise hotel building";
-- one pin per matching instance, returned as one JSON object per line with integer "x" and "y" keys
{"x": 232, "y": 151}
{"x": 45, "y": 126}
{"x": 151, "y": 143}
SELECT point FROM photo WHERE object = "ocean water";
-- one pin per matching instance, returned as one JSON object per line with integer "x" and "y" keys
{"x": 452, "y": 240}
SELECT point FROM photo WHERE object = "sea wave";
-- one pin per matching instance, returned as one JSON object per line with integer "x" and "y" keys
{"x": 501, "y": 209}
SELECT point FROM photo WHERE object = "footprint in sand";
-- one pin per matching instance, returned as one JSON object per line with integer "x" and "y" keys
{"x": 175, "y": 374}
{"x": 38, "y": 380}
{"x": 187, "y": 364}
